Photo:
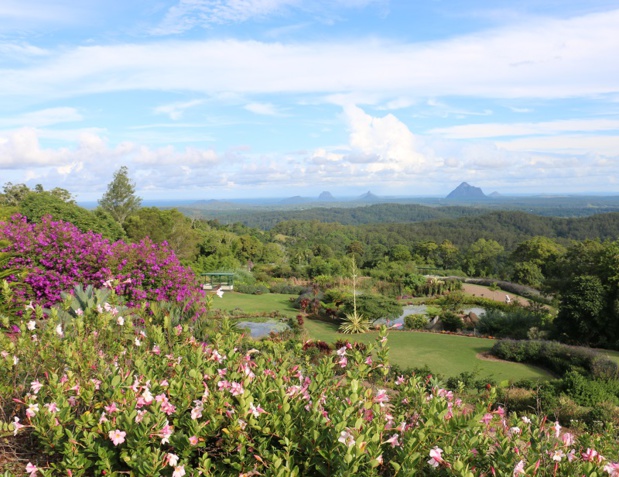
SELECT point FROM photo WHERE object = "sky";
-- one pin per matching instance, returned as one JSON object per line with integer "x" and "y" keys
{"x": 216, "y": 99}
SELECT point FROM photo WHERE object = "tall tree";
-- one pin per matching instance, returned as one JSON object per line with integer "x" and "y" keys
{"x": 120, "y": 200}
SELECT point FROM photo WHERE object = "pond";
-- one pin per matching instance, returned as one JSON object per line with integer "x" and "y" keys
{"x": 422, "y": 310}
{"x": 262, "y": 329}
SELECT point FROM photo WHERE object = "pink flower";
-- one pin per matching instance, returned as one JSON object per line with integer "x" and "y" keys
{"x": 568, "y": 439}
{"x": 16, "y": 425}
{"x": 111, "y": 408}
{"x": 346, "y": 438}
{"x": 591, "y": 455}
{"x": 172, "y": 459}
{"x": 612, "y": 468}
{"x": 179, "y": 471}
{"x": 117, "y": 436}
{"x": 381, "y": 397}
{"x": 487, "y": 418}
{"x": 343, "y": 361}
{"x": 557, "y": 428}
{"x": 255, "y": 410}
{"x": 519, "y": 469}
{"x": 436, "y": 457}
{"x": 32, "y": 410}
{"x": 393, "y": 440}
{"x": 35, "y": 386}
{"x": 193, "y": 440}
{"x": 236, "y": 389}
{"x": 401, "y": 380}
{"x": 31, "y": 469}
{"x": 51, "y": 407}
{"x": 558, "y": 455}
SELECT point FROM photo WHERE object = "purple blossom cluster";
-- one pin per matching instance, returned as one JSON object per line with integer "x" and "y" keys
{"x": 52, "y": 257}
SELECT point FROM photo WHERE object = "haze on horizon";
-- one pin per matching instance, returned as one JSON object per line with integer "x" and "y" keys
{"x": 275, "y": 98}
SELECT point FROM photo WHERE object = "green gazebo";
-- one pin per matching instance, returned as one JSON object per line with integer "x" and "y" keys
{"x": 218, "y": 280}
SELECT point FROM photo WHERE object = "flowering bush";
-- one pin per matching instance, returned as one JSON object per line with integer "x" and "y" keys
{"x": 106, "y": 396}
{"x": 56, "y": 256}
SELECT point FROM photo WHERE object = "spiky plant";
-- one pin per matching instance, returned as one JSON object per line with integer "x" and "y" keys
{"x": 354, "y": 322}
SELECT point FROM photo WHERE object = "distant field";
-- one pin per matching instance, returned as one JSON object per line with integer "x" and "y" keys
{"x": 447, "y": 355}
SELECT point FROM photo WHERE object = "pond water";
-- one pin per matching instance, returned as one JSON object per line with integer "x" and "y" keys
{"x": 422, "y": 310}
{"x": 259, "y": 330}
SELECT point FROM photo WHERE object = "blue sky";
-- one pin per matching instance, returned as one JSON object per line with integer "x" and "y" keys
{"x": 273, "y": 98}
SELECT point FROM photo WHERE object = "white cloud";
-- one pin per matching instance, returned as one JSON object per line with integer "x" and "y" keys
{"x": 540, "y": 59}
{"x": 43, "y": 117}
{"x": 188, "y": 14}
{"x": 488, "y": 130}
{"x": 175, "y": 110}
{"x": 385, "y": 143}
{"x": 263, "y": 109}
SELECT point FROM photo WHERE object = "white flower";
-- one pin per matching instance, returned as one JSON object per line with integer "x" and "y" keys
{"x": 120, "y": 320}
{"x": 31, "y": 325}
{"x": 137, "y": 342}
{"x": 59, "y": 331}
{"x": 172, "y": 459}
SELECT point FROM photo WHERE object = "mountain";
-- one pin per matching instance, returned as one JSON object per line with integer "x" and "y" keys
{"x": 466, "y": 192}
{"x": 368, "y": 197}
{"x": 297, "y": 199}
{"x": 326, "y": 197}
{"x": 494, "y": 194}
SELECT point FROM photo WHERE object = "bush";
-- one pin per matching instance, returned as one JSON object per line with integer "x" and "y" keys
{"x": 513, "y": 323}
{"x": 415, "y": 322}
{"x": 252, "y": 289}
{"x": 557, "y": 357}
{"x": 451, "y": 321}
{"x": 54, "y": 257}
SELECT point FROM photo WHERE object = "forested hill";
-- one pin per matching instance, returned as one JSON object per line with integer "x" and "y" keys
{"x": 378, "y": 213}
{"x": 508, "y": 228}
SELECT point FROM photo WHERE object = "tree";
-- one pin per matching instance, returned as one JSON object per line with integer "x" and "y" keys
{"x": 120, "y": 200}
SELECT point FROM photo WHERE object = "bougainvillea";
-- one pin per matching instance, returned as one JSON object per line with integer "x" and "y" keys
{"x": 53, "y": 257}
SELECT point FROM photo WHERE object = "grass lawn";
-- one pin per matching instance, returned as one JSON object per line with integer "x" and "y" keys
{"x": 255, "y": 303}
{"x": 448, "y": 355}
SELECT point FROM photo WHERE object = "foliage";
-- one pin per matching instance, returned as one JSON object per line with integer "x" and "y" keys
{"x": 153, "y": 400}
{"x": 415, "y": 322}
{"x": 373, "y": 307}
{"x": 451, "y": 321}
{"x": 353, "y": 323}
{"x": 119, "y": 199}
{"x": 165, "y": 226}
{"x": 56, "y": 256}
{"x": 515, "y": 322}
{"x": 557, "y": 357}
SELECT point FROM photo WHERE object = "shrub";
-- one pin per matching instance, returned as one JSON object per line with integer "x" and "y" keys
{"x": 56, "y": 256}
{"x": 451, "y": 321}
{"x": 513, "y": 323}
{"x": 557, "y": 357}
{"x": 415, "y": 322}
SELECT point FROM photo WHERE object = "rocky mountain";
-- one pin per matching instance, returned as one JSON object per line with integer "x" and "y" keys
{"x": 326, "y": 197}
{"x": 466, "y": 192}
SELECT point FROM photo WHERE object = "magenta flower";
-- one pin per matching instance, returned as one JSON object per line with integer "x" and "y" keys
{"x": 117, "y": 436}
{"x": 381, "y": 397}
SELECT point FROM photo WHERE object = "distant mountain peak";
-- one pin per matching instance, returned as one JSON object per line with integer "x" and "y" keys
{"x": 466, "y": 191}
{"x": 368, "y": 196}
{"x": 494, "y": 194}
{"x": 326, "y": 196}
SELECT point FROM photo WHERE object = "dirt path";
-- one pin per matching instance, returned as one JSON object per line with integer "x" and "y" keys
{"x": 496, "y": 295}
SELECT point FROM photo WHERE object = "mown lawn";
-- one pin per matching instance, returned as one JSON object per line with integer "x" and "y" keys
{"x": 447, "y": 355}
{"x": 255, "y": 303}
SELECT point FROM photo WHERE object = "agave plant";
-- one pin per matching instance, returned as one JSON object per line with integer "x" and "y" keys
{"x": 355, "y": 323}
